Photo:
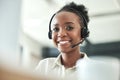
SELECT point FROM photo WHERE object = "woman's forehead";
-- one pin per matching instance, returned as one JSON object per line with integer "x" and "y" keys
{"x": 65, "y": 16}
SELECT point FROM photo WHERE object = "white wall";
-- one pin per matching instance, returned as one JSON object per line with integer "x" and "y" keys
{"x": 31, "y": 51}
{"x": 9, "y": 29}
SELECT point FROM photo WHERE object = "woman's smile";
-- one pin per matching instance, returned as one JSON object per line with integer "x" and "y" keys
{"x": 64, "y": 43}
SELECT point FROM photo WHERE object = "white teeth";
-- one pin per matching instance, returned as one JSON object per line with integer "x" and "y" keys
{"x": 63, "y": 42}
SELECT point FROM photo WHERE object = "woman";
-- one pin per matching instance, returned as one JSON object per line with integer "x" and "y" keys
{"x": 67, "y": 29}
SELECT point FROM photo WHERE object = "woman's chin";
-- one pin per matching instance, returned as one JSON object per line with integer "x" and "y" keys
{"x": 64, "y": 49}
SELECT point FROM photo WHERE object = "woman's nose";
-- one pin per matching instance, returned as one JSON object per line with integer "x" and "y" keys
{"x": 62, "y": 33}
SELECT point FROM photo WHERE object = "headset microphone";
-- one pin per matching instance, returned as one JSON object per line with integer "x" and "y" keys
{"x": 76, "y": 44}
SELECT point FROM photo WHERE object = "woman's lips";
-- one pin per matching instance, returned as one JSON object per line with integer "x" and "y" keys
{"x": 63, "y": 42}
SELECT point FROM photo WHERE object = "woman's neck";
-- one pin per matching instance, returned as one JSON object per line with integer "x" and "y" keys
{"x": 69, "y": 60}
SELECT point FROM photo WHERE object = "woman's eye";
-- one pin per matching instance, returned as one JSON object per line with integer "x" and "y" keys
{"x": 69, "y": 28}
{"x": 56, "y": 29}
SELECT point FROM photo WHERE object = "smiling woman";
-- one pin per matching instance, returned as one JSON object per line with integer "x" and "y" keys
{"x": 67, "y": 29}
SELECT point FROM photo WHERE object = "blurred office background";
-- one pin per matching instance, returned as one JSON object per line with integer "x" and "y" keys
{"x": 24, "y": 28}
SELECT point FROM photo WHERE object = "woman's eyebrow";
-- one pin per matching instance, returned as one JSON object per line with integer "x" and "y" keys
{"x": 69, "y": 23}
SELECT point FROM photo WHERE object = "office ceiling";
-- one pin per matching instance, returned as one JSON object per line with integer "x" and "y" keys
{"x": 104, "y": 18}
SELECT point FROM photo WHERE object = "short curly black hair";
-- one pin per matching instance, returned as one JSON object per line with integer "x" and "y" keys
{"x": 79, "y": 10}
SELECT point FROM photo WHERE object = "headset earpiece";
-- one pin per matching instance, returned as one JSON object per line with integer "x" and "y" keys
{"x": 84, "y": 32}
{"x": 50, "y": 34}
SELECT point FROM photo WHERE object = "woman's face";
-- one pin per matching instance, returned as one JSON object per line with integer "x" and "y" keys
{"x": 66, "y": 31}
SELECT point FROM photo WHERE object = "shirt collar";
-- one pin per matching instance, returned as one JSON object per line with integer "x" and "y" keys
{"x": 57, "y": 62}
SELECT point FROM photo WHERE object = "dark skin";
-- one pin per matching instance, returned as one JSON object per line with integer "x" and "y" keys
{"x": 66, "y": 32}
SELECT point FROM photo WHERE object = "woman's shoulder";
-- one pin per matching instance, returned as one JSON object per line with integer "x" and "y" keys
{"x": 45, "y": 63}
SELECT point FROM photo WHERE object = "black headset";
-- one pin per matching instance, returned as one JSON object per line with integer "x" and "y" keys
{"x": 84, "y": 29}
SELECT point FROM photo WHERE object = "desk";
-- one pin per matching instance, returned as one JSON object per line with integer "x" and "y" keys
{"x": 14, "y": 73}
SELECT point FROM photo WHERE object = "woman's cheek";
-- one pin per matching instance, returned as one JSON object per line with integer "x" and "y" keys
{"x": 54, "y": 38}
